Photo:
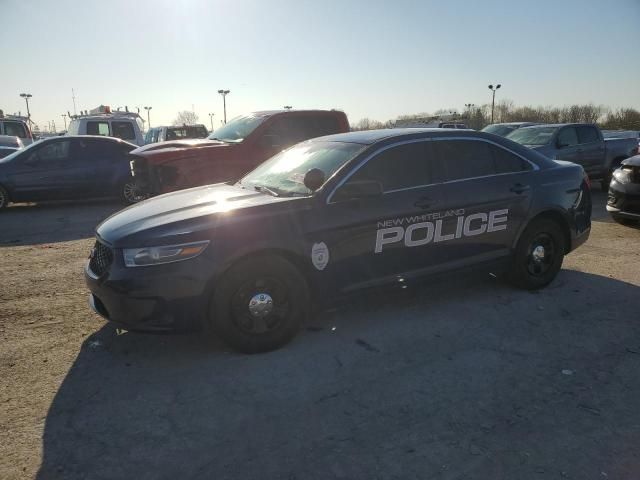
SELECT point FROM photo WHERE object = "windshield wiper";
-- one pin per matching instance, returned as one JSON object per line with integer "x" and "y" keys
{"x": 264, "y": 188}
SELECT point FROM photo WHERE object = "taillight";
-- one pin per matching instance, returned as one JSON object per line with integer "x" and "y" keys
{"x": 587, "y": 180}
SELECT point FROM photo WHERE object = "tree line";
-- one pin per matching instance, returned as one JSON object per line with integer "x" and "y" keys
{"x": 478, "y": 117}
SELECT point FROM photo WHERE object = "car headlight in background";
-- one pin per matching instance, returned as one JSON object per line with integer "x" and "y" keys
{"x": 622, "y": 175}
{"x": 140, "y": 257}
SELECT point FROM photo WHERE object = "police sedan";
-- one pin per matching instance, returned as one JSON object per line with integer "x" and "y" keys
{"x": 330, "y": 216}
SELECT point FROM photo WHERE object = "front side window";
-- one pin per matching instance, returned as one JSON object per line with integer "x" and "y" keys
{"x": 588, "y": 135}
{"x": 284, "y": 173}
{"x": 98, "y": 128}
{"x": 123, "y": 130}
{"x": 400, "y": 167}
{"x": 567, "y": 137}
{"x": 461, "y": 159}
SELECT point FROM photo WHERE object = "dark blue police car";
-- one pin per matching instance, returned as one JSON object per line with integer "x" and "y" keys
{"x": 330, "y": 216}
{"x": 68, "y": 167}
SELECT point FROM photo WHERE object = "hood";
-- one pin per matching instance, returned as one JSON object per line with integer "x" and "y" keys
{"x": 180, "y": 145}
{"x": 179, "y": 216}
{"x": 632, "y": 161}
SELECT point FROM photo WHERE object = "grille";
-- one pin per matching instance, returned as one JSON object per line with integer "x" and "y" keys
{"x": 101, "y": 259}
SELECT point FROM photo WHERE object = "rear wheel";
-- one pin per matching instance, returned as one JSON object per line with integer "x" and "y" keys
{"x": 130, "y": 193}
{"x": 538, "y": 256}
{"x": 4, "y": 198}
{"x": 259, "y": 304}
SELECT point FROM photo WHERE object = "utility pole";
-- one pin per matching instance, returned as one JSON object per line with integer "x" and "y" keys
{"x": 26, "y": 97}
{"x": 224, "y": 102}
{"x": 73, "y": 97}
{"x": 211, "y": 118}
{"x": 148, "y": 109}
{"x": 64, "y": 117}
{"x": 493, "y": 99}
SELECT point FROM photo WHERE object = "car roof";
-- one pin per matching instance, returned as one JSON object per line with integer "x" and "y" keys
{"x": 558, "y": 125}
{"x": 368, "y": 137}
{"x": 84, "y": 137}
{"x": 268, "y": 113}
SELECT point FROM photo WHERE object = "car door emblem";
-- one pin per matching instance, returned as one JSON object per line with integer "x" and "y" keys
{"x": 320, "y": 255}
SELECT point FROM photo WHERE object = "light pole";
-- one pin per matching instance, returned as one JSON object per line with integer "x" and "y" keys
{"x": 148, "y": 109}
{"x": 26, "y": 97}
{"x": 211, "y": 118}
{"x": 64, "y": 117}
{"x": 493, "y": 99}
{"x": 288, "y": 107}
{"x": 224, "y": 102}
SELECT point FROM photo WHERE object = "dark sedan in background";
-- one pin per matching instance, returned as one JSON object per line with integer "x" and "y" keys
{"x": 66, "y": 168}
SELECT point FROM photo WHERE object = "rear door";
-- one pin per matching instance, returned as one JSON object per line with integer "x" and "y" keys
{"x": 590, "y": 149}
{"x": 487, "y": 190}
{"x": 104, "y": 163}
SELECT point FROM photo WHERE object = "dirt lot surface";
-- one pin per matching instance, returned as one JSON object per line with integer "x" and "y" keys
{"x": 459, "y": 379}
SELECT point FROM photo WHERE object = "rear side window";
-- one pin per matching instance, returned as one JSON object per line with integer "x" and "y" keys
{"x": 98, "y": 128}
{"x": 400, "y": 167}
{"x": 567, "y": 137}
{"x": 460, "y": 159}
{"x": 99, "y": 150}
{"x": 507, "y": 162}
{"x": 15, "y": 129}
{"x": 588, "y": 135}
{"x": 123, "y": 130}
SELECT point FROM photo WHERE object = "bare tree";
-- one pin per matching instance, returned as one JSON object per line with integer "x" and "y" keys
{"x": 186, "y": 117}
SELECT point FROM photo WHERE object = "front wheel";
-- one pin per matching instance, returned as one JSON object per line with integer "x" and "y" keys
{"x": 538, "y": 256}
{"x": 259, "y": 304}
{"x": 131, "y": 193}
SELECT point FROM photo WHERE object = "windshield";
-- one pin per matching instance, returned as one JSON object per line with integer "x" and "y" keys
{"x": 237, "y": 129}
{"x": 501, "y": 130}
{"x": 533, "y": 135}
{"x": 284, "y": 173}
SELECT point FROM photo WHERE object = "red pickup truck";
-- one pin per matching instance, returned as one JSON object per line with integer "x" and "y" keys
{"x": 229, "y": 152}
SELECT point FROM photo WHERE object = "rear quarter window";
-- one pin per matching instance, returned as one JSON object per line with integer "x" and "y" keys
{"x": 507, "y": 162}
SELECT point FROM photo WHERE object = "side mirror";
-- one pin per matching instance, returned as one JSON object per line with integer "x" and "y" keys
{"x": 359, "y": 189}
{"x": 314, "y": 179}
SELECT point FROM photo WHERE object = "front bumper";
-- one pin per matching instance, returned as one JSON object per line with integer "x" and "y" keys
{"x": 624, "y": 200}
{"x": 162, "y": 298}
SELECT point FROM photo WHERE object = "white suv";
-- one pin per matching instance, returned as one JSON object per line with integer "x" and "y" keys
{"x": 124, "y": 125}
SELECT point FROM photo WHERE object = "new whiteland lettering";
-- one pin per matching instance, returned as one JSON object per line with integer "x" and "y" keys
{"x": 425, "y": 232}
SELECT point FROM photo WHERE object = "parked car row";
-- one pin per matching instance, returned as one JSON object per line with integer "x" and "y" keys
{"x": 69, "y": 167}
{"x": 184, "y": 132}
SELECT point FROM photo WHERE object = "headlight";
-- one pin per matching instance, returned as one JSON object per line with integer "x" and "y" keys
{"x": 140, "y": 257}
{"x": 622, "y": 175}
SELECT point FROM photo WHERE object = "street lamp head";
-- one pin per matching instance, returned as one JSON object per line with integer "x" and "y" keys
{"x": 490, "y": 87}
{"x": 498, "y": 86}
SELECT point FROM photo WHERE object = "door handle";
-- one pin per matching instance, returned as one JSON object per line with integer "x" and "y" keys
{"x": 520, "y": 188}
{"x": 425, "y": 202}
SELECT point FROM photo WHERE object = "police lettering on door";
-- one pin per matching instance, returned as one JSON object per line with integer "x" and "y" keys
{"x": 423, "y": 229}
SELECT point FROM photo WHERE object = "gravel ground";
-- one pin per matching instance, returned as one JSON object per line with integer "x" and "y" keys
{"x": 464, "y": 378}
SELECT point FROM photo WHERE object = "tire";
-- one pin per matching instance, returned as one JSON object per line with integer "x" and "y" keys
{"x": 531, "y": 267}
{"x": 259, "y": 305}
{"x": 4, "y": 198}
{"x": 130, "y": 194}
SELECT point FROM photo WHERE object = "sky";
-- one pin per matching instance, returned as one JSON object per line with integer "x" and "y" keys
{"x": 374, "y": 59}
